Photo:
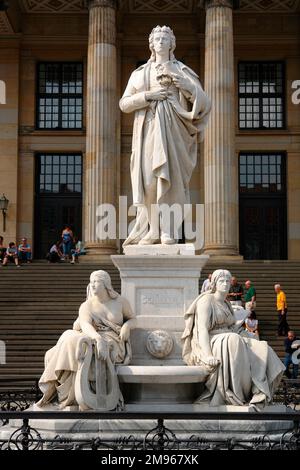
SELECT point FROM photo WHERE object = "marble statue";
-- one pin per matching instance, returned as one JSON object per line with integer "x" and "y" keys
{"x": 171, "y": 111}
{"x": 80, "y": 368}
{"x": 241, "y": 370}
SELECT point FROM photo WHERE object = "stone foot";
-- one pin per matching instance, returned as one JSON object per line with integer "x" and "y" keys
{"x": 149, "y": 239}
{"x": 167, "y": 240}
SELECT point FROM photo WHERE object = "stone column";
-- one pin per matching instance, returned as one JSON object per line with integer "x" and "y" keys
{"x": 100, "y": 164}
{"x": 220, "y": 162}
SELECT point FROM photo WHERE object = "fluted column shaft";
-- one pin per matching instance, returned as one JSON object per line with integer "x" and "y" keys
{"x": 221, "y": 181}
{"x": 100, "y": 168}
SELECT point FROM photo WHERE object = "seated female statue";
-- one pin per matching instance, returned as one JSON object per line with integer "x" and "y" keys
{"x": 242, "y": 370}
{"x": 103, "y": 326}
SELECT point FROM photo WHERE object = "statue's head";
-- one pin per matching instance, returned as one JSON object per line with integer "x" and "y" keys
{"x": 99, "y": 281}
{"x": 220, "y": 280}
{"x": 166, "y": 33}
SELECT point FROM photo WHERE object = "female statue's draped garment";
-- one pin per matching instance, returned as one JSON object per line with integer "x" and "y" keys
{"x": 249, "y": 372}
{"x": 62, "y": 364}
{"x": 165, "y": 132}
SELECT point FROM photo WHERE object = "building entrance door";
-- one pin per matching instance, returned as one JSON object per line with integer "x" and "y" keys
{"x": 263, "y": 220}
{"x": 58, "y": 198}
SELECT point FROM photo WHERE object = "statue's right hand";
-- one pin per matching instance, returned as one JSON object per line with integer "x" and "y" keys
{"x": 212, "y": 361}
{"x": 158, "y": 95}
{"x": 102, "y": 349}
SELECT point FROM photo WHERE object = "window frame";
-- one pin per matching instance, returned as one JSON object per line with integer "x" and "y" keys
{"x": 60, "y": 96}
{"x": 39, "y": 174}
{"x": 264, "y": 194}
{"x": 262, "y": 95}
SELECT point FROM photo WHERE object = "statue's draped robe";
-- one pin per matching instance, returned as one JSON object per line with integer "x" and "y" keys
{"x": 249, "y": 372}
{"x": 166, "y": 132}
{"x": 61, "y": 363}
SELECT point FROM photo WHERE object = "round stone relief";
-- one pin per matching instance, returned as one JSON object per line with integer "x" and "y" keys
{"x": 159, "y": 343}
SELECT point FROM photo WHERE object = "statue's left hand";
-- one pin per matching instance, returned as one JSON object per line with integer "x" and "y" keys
{"x": 181, "y": 82}
{"x": 102, "y": 349}
{"x": 125, "y": 332}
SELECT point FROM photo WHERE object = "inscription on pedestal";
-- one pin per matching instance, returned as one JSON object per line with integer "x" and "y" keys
{"x": 160, "y": 302}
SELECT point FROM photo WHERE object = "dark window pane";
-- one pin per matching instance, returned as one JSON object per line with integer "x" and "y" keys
{"x": 257, "y": 179}
{"x": 257, "y": 159}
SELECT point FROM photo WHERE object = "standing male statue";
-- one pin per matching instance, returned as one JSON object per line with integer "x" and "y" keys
{"x": 171, "y": 109}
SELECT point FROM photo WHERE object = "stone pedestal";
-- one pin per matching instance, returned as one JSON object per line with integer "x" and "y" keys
{"x": 160, "y": 287}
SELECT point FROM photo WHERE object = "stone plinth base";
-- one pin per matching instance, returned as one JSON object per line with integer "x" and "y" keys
{"x": 219, "y": 256}
{"x": 185, "y": 428}
{"x": 187, "y": 249}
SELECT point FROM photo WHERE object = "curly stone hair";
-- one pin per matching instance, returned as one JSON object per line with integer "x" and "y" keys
{"x": 162, "y": 29}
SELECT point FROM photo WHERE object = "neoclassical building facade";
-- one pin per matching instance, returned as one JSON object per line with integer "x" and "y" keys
{"x": 65, "y": 147}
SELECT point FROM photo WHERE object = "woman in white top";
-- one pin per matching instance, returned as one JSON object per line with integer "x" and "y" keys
{"x": 251, "y": 324}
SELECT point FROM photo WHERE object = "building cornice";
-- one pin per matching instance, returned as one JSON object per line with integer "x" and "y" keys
{"x": 234, "y": 4}
{"x": 100, "y": 3}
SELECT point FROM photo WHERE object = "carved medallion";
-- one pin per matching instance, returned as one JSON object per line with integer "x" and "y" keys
{"x": 159, "y": 343}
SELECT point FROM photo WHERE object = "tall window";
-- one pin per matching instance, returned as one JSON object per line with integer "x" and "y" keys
{"x": 60, "y": 95}
{"x": 261, "y": 95}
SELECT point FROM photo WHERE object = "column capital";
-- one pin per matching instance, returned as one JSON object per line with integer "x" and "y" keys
{"x": 234, "y": 4}
{"x": 100, "y": 3}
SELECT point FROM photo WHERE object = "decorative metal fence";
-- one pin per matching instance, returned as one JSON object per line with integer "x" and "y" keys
{"x": 160, "y": 438}
{"x": 24, "y": 436}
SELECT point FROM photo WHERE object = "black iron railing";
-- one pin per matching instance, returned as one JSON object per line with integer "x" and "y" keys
{"x": 19, "y": 429}
{"x": 159, "y": 438}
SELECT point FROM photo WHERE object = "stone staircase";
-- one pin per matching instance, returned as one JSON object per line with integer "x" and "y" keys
{"x": 39, "y": 301}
